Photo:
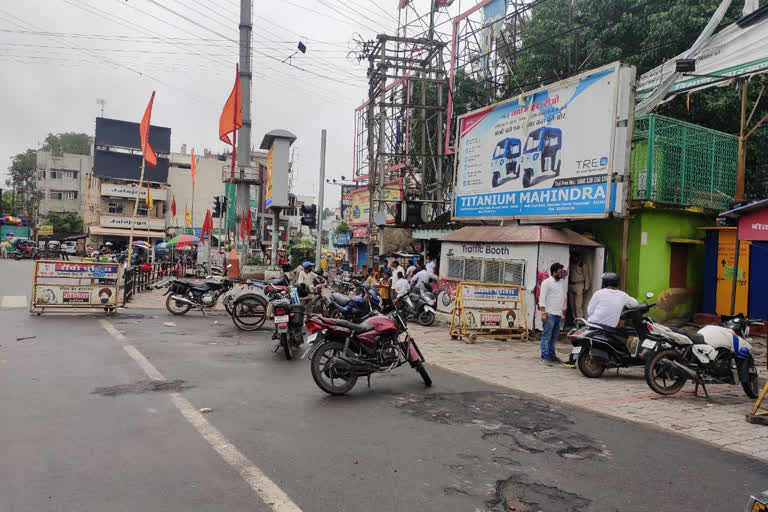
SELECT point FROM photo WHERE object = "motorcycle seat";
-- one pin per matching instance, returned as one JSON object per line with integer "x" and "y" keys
{"x": 356, "y": 328}
{"x": 341, "y": 298}
{"x": 201, "y": 289}
{"x": 696, "y": 338}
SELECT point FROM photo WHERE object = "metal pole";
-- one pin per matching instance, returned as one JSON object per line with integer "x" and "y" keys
{"x": 133, "y": 218}
{"x": 242, "y": 196}
{"x": 319, "y": 243}
{"x": 742, "y": 164}
{"x": 382, "y": 149}
{"x": 735, "y": 279}
{"x": 192, "y": 215}
{"x": 275, "y": 234}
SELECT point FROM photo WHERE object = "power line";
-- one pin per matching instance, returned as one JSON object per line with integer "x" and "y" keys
{"x": 357, "y": 22}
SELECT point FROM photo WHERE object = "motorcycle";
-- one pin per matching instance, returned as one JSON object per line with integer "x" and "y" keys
{"x": 341, "y": 351}
{"x": 709, "y": 356}
{"x": 420, "y": 304}
{"x": 354, "y": 309}
{"x": 184, "y": 295}
{"x": 597, "y": 347}
{"x": 26, "y": 253}
{"x": 289, "y": 322}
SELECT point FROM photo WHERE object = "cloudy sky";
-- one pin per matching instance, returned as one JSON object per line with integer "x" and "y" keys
{"x": 59, "y": 56}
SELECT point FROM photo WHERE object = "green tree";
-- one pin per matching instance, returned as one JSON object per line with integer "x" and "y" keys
{"x": 22, "y": 182}
{"x": 68, "y": 222}
{"x": 342, "y": 227}
{"x": 68, "y": 142}
{"x": 327, "y": 213}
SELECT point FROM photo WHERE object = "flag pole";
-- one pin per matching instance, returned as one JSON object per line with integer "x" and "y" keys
{"x": 192, "y": 215}
{"x": 133, "y": 218}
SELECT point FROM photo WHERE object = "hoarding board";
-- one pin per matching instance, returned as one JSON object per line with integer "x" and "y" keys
{"x": 130, "y": 191}
{"x": 360, "y": 203}
{"x": 270, "y": 170}
{"x": 550, "y": 153}
{"x": 76, "y": 286}
{"x": 44, "y": 229}
{"x": 69, "y": 295}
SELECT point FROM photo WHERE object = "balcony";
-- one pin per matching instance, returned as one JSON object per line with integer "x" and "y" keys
{"x": 682, "y": 164}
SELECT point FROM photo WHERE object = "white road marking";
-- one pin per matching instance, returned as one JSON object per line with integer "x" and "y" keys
{"x": 261, "y": 484}
{"x": 13, "y": 301}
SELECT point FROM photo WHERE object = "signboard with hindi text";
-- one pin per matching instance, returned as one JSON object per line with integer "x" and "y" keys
{"x": 63, "y": 287}
{"x": 484, "y": 309}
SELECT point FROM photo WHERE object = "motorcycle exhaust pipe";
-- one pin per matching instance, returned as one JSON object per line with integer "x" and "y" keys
{"x": 184, "y": 300}
{"x": 690, "y": 373}
{"x": 355, "y": 366}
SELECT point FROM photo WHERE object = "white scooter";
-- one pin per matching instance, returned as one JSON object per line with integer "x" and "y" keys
{"x": 709, "y": 356}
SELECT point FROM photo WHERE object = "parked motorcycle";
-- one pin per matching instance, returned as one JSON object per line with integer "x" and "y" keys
{"x": 184, "y": 295}
{"x": 343, "y": 351}
{"x": 709, "y": 356}
{"x": 289, "y": 320}
{"x": 354, "y": 309}
{"x": 420, "y": 304}
{"x": 597, "y": 347}
{"x": 28, "y": 252}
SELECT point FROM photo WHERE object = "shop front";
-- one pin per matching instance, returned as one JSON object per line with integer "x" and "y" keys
{"x": 517, "y": 255}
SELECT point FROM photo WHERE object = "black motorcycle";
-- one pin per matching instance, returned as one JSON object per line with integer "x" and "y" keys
{"x": 597, "y": 347}
{"x": 184, "y": 295}
{"x": 289, "y": 320}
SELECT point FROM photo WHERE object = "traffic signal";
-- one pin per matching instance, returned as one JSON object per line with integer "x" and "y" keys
{"x": 216, "y": 207}
{"x": 309, "y": 215}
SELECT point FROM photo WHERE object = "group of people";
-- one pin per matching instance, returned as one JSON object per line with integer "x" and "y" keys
{"x": 604, "y": 308}
{"x": 393, "y": 280}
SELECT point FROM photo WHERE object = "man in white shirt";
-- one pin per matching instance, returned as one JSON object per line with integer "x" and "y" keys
{"x": 396, "y": 268}
{"x": 306, "y": 275}
{"x": 411, "y": 270}
{"x": 401, "y": 286}
{"x": 423, "y": 278}
{"x": 608, "y": 302}
{"x": 551, "y": 304}
{"x": 431, "y": 265}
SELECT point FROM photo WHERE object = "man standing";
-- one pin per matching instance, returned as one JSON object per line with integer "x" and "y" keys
{"x": 579, "y": 283}
{"x": 551, "y": 305}
{"x": 431, "y": 265}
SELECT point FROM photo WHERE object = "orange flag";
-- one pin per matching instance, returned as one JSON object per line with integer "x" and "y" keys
{"x": 173, "y": 206}
{"x": 232, "y": 118}
{"x": 149, "y": 154}
{"x": 193, "y": 166}
{"x": 207, "y": 229}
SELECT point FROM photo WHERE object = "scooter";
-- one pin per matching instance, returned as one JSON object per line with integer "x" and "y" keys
{"x": 597, "y": 347}
{"x": 423, "y": 304}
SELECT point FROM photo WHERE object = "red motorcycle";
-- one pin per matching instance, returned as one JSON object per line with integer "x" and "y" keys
{"x": 341, "y": 351}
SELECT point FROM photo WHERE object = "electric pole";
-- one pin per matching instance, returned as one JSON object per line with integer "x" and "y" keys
{"x": 319, "y": 242}
{"x": 242, "y": 191}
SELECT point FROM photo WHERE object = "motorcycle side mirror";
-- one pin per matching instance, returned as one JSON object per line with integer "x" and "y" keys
{"x": 649, "y": 295}
{"x": 229, "y": 266}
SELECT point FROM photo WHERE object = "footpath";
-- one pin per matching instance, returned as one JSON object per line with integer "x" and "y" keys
{"x": 515, "y": 364}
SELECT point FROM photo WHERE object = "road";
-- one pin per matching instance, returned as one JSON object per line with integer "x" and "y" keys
{"x": 85, "y": 429}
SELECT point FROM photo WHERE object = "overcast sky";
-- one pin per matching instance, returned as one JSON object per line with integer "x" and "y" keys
{"x": 59, "y": 56}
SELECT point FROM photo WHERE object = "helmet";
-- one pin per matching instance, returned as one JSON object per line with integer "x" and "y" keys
{"x": 610, "y": 280}
{"x": 308, "y": 264}
{"x": 302, "y": 289}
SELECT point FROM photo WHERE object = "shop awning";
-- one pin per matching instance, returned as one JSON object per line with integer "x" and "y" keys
{"x": 530, "y": 234}
{"x": 137, "y": 233}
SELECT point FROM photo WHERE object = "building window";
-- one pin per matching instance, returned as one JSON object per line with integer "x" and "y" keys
{"x": 69, "y": 194}
{"x": 41, "y": 174}
{"x": 54, "y": 174}
{"x": 56, "y": 194}
{"x": 678, "y": 266}
{"x": 115, "y": 208}
{"x": 486, "y": 271}
{"x": 143, "y": 210}
{"x": 58, "y": 174}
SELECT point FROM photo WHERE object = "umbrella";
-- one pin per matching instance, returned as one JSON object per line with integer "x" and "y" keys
{"x": 180, "y": 241}
{"x": 142, "y": 244}
{"x": 162, "y": 245}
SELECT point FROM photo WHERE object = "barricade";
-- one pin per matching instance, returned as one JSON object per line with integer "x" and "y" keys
{"x": 487, "y": 309}
{"x": 74, "y": 287}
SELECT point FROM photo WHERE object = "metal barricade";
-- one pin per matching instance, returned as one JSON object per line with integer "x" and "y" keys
{"x": 490, "y": 310}
{"x": 74, "y": 287}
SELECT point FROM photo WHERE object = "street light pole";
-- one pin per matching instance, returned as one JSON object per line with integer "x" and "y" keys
{"x": 320, "y": 198}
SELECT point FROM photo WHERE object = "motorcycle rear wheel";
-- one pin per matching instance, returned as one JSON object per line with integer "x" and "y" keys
{"x": 663, "y": 380}
{"x": 424, "y": 375}
{"x": 321, "y": 369}
{"x": 176, "y": 308}
{"x": 590, "y": 367}
{"x": 752, "y": 386}
{"x": 426, "y": 318}
{"x": 286, "y": 344}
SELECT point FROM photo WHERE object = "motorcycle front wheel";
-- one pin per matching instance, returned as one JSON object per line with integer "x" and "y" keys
{"x": 661, "y": 376}
{"x": 176, "y": 308}
{"x": 423, "y": 372}
{"x": 590, "y": 367}
{"x": 426, "y": 318}
{"x": 327, "y": 377}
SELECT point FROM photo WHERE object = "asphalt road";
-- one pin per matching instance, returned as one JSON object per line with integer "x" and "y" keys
{"x": 82, "y": 430}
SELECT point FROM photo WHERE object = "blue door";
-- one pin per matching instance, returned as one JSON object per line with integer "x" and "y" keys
{"x": 362, "y": 256}
{"x": 758, "y": 281}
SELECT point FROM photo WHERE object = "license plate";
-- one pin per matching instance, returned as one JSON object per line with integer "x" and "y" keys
{"x": 282, "y": 319}
{"x": 576, "y": 350}
{"x": 311, "y": 338}
{"x": 649, "y": 344}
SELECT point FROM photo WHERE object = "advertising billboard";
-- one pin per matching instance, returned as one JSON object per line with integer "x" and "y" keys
{"x": 358, "y": 211}
{"x": 552, "y": 153}
{"x": 61, "y": 295}
{"x": 270, "y": 170}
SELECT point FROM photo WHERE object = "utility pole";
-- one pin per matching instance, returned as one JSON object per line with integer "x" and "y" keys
{"x": 242, "y": 191}
{"x": 320, "y": 198}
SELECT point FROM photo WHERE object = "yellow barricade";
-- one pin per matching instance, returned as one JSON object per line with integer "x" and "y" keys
{"x": 72, "y": 287}
{"x": 487, "y": 309}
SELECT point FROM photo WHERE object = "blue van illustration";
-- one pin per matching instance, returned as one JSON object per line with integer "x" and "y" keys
{"x": 506, "y": 161}
{"x": 541, "y": 155}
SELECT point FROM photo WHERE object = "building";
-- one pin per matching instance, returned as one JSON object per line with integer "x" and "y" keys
{"x": 60, "y": 180}
{"x": 293, "y": 215}
{"x": 110, "y": 191}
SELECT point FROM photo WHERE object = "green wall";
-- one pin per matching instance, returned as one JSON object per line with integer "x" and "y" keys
{"x": 649, "y": 264}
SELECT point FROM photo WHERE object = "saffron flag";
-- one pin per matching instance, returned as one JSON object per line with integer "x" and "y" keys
{"x": 232, "y": 118}
{"x": 187, "y": 216}
{"x": 242, "y": 226}
{"x": 207, "y": 228}
{"x": 249, "y": 224}
{"x": 173, "y": 206}
{"x": 149, "y": 154}
{"x": 149, "y": 198}
{"x": 193, "y": 166}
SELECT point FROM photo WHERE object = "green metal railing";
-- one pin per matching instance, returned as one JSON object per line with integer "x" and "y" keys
{"x": 682, "y": 164}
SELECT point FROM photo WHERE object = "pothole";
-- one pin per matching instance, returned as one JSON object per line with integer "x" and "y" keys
{"x": 142, "y": 386}
{"x": 514, "y": 494}
{"x": 580, "y": 452}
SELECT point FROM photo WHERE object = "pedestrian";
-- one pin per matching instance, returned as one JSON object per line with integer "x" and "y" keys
{"x": 431, "y": 265}
{"x": 551, "y": 304}
{"x": 3, "y": 250}
{"x": 396, "y": 270}
{"x": 371, "y": 279}
{"x": 401, "y": 287}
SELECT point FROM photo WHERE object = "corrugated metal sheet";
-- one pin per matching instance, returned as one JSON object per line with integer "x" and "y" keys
{"x": 519, "y": 235}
